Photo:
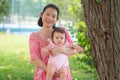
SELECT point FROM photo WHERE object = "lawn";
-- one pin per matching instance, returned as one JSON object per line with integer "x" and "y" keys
{"x": 14, "y": 60}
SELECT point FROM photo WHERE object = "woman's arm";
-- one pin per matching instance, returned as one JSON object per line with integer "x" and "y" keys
{"x": 35, "y": 60}
{"x": 39, "y": 63}
{"x": 35, "y": 52}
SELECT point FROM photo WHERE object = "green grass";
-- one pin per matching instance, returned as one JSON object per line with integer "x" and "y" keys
{"x": 14, "y": 60}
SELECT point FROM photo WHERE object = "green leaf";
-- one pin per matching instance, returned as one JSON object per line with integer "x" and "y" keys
{"x": 98, "y": 1}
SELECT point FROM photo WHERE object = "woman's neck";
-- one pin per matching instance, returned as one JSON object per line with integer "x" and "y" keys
{"x": 45, "y": 32}
{"x": 47, "y": 29}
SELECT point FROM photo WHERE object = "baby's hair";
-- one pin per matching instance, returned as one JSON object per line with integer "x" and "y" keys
{"x": 60, "y": 30}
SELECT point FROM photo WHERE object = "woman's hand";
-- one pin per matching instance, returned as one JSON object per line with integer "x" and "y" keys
{"x": 46, "y": 49}
{"x": 57, "y": 74}
{"x": 38, "y": 62}
{"x": 56, "y": 50}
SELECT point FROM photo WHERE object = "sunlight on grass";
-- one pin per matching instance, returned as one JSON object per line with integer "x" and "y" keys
{"x": 14, "y": 59}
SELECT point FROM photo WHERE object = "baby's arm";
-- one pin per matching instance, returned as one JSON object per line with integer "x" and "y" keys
{"x": 77, "y": 48}
{"x": 68, "y": 50}
{"x": 72, "y": 49}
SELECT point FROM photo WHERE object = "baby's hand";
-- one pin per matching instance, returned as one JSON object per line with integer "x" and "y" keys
{"x": 77, "y": 48}
{"x": 71, "y": 45}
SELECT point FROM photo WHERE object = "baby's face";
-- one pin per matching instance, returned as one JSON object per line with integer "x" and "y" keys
{"x": 59, "y": 38}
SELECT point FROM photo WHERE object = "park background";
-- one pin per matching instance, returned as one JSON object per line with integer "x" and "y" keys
{"x": 18, "y": 18}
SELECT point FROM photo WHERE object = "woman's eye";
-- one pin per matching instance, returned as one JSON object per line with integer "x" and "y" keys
{"x": 47, "y": 14}
{"x": 54, "y": 16}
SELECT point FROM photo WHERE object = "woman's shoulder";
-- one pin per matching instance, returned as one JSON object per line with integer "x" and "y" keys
{"x": 33, "y": 34}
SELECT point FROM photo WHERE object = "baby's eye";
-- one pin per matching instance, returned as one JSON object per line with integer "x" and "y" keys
{"x": 57, "y": 38}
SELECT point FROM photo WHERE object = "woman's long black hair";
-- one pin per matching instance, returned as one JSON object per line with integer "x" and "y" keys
{"x": 40, "y": 23}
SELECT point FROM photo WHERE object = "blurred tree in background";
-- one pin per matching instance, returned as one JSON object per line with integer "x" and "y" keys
{"x": 28, "y": 7}
{"x": 19, "y": 10}
{"x": 4, "y": 8}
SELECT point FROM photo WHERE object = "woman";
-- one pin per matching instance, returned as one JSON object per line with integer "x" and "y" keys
{"x": 38, "y": 42}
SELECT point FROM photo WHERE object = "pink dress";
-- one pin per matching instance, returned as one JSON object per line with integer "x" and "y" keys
{"x": 60, "y": 60}
{"x": 35, "y": 45}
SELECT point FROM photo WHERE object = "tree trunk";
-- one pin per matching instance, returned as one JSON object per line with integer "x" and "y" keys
{"x": 103, "y": 23}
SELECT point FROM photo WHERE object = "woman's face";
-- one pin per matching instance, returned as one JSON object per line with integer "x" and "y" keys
{"x": 49, "y": 17}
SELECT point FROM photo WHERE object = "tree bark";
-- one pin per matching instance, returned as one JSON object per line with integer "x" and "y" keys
{"x": 102, "y": 18}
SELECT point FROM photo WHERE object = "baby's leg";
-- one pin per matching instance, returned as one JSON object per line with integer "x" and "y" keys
{"x": 63, "y": 72}
{"x": 51, "y": 68}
